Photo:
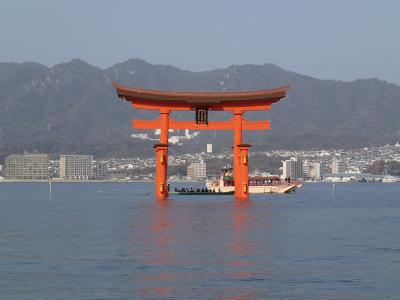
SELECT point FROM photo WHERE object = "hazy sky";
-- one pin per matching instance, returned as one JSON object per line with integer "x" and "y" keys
{"x": 340, "y": 39}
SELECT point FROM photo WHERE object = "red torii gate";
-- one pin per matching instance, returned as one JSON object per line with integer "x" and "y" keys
{"x": 201, "y": 103}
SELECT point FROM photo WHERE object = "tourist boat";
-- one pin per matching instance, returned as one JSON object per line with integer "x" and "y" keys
{"x": 390, "y": 179}
{"x": 257, "y": 184}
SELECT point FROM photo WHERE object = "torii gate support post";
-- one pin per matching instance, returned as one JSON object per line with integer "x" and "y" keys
{"x": 243, "y": 186}
{"x": 161, "y": 171}
{"x": 162, "y": 157}
{"x": 237, "y": 140}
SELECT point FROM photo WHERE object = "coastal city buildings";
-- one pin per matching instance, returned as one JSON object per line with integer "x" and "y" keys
{"x": 293, "y": 168}
{"x": 76, "y": 167}
{"x": 338, "y": 166}
{"x": 101, "y": 170}
{"x": 317, "y": 171}
{"x": 307, "y": 169}
{"x": 317, "y": 165}
{"x": 27, "y": 166}
{"x": 197, "y": 170}
{"x": 314, "y": 171}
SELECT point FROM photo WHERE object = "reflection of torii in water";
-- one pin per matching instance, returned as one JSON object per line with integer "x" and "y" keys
{"x": 202, "y": 102}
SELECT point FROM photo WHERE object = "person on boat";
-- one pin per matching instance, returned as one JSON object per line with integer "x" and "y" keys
{"x": 219, "y": 190}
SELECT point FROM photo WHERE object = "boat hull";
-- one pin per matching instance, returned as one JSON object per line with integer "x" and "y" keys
{"x": 264, "y": 189}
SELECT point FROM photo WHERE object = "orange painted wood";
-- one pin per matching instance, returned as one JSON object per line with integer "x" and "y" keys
{"x": 140, "y": 94}
{"x": 226, "y": 106}
{"x": 212, "y": 125}
{"x": 161, "y": 171}
{"x": 243, "y": 164}
{"x": 237, "y": 140}
{"x": 164, "y": 126}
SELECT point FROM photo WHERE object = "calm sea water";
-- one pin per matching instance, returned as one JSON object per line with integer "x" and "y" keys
{"x": 111, "y": 241}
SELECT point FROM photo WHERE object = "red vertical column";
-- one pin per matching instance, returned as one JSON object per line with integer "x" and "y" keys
{"x": 237, "y": 140}
{"x": 164, "y": 120}
{"x": 244, "y": 172}
{"x": 162, "y": 157}
{"x": 161, "y": 171}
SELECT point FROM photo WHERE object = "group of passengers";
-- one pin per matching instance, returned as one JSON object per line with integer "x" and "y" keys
{"x": 287, "y": 179}
{"x": 198, "y": 190}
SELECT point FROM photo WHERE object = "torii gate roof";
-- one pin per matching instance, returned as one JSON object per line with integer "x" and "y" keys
{"x": 133, "y": 93}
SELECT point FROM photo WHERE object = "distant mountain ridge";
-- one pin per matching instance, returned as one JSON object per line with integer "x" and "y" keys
{"x": 72, "y": 107}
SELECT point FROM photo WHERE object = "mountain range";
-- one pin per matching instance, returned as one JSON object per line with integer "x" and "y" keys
{"x": 72, "y": 108}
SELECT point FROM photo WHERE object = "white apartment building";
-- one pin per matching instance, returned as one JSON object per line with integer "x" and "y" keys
{"x": 197, "y": 170}
{"x": 76, "y": 167}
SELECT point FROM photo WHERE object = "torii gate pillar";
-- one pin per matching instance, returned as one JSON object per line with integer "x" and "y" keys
{"x": 162, "y": 157}
{"x": 243, "y": 163}
{"x": 237, "y": 140}
{"x": 161, "y": 171}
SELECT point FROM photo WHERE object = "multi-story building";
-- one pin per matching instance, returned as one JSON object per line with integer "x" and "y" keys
{"x": 293, "y": 168}
{"x": 197, "y": 170}
{"x": 318, "y": 171}
{"x": 76, "y": 167}
{"x": 54, "y": 169}
{"x": 101, "y": 170}
{"x": 28, "y": 166}
{"x": 307, "y": 169}
{"x": 338, "y": 166}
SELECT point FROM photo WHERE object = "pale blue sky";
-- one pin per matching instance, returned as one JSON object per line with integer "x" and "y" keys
{"x": 326, "y": 39}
